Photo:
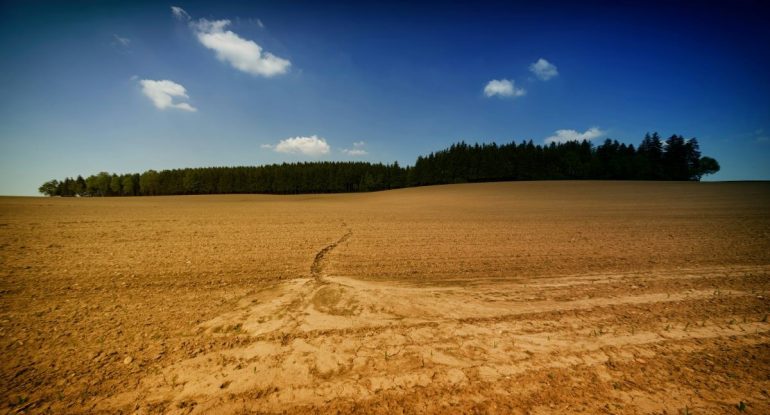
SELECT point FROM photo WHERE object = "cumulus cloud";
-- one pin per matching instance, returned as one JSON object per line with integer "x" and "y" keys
{"x": 503, "y": 88}
{"x": 242, "y": 54}
{"x": 357, "y": 150}
{"x": 313, "y": 146}
{"x": 562, "y": 136}
{"x": 162, "y": 94}
{"x": 543, "y": 69}
{"x": 179, "y": 13}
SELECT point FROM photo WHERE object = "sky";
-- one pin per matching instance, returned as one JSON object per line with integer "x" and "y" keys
{"x": 124, "y": 87}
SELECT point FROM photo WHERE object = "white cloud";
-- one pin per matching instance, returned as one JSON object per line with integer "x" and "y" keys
{"x": 122, "y": 41}
{"x": 503, "y": 88}
{"x": 562, "y": 136}
{"x": 309, "y": 146}
{"x": 243, "y": 54}
{"x": 179, "y": 13}
{"x": 357, "y": 150}
{"x": 543, "y": 69}
{"x": 162, "y": 94}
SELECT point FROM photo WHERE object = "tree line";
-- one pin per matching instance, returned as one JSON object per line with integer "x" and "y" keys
{"x": 676, "y": 158}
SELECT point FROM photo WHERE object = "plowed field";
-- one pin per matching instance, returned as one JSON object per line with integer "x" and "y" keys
{"x": 526, "y": 297}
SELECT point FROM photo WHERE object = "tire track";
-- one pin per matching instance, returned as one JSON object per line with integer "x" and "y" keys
{"x": 319, "y": 262}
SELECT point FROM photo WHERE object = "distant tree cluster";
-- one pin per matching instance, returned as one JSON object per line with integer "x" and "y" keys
{"x": 321, "y": 177}
{"x": 654, "y": 159}
{"x": 674, "y": 159}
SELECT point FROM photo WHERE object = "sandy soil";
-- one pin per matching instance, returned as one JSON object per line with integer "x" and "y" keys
{"x": 539, "y": 297}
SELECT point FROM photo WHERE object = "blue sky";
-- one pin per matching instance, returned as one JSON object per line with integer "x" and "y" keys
{"x": 251, "y": 83}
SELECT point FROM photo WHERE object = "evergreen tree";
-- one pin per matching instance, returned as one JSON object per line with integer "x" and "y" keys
{"x": 80, "y": 186}
{"x": 675, "y": 159}
{"x": 692, "y": 150}
{"x": 68, "y": 187}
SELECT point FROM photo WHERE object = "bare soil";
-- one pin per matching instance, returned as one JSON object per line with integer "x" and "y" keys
{"x": 524, "y": 298}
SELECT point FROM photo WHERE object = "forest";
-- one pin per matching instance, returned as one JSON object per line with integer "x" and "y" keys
{"x": 676, "y": 158}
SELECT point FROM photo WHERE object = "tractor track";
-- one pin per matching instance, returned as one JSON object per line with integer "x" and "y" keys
{"x": 320, "y": 260}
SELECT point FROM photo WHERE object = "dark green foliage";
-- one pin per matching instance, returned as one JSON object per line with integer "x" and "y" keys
{"x": 49, "y": 188}
{"x": 707, "y": 165}
{"x": 675, "y": 159}
{"x": 649, "y": 161}
{"x": 678, "y": 159}
{"x": 80, "y": 186}
{"x": 149, "y": 183}
{"x": 115, "y": 185}
{"x": 128, "y": 184}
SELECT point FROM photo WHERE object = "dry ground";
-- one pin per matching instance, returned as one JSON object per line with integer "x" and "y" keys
{"x": 539, "y": 297}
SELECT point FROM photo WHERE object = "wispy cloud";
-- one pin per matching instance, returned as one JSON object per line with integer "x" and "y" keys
{"x": 503, "y": 88}
{"x": 121, "y": 41}
{"x": 760, "y": 136}
{"x": 179, "y": 13}
{"x": 242, "y": 54}
{"x": 162, "y": 94}
{"x": 357, "y": 150}
{"x": 543, "y": 69}
{"x": 313, "y": 146}
{"x": 562, "y": 136}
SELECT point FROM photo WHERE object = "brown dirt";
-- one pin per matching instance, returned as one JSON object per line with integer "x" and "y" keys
{"x": 539, "y": 297}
